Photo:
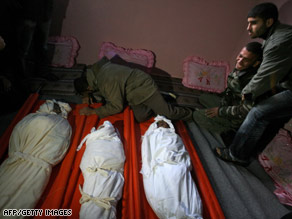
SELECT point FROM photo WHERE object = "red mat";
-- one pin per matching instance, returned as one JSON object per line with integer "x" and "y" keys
{"x": 62, "y": 191}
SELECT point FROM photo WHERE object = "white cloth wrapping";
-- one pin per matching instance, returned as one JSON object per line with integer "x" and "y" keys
{"x": 38, "y": 142}
{"x": 48, "y": 107}
{"x": 166, "y": 165}
{"x": 102, "y": 166}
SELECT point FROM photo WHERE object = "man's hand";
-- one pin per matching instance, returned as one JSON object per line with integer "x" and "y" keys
{"x": 87, "y": 111}
{"x": 86, "y": 99}
{"x": 212, "y": 112}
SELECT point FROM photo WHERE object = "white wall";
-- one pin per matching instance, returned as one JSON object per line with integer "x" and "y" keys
{"x": 285, "y": 16}
{"x": 172, "y": 29}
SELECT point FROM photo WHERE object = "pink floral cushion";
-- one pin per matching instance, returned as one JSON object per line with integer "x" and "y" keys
{"x": 202, "y": 75}
{"x": 277, "y": 162}
{"x": 137, "y": 56}
{"x": 63, "y": 50}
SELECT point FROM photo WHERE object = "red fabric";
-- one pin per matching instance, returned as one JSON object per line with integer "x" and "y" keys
{"x": 62, "y": 191}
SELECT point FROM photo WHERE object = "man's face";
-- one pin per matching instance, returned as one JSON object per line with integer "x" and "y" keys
{"x": 245, "y": 59}
{"x": 256, "y": 27}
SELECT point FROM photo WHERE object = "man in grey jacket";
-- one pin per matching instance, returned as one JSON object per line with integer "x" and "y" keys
{"x": 273, "y": 78}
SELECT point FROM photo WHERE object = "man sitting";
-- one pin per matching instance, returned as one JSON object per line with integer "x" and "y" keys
{"x": 273, "y": 79}
{"x": 226, "y": 111}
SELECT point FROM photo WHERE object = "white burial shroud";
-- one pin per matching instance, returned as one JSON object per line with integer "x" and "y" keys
{"x": 102, "y": 166}
{"x": 38, "y": 142}
{"x": 166, "y": 165}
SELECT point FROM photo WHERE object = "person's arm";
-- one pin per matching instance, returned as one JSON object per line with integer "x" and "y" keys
{"x": 114, "y": 103}
{"x": 110, "y": 108}
{"x": 212, "y": 112}
{"x": 275, "y": 66}
{"x": 102, "y": 111}
{"x": 235, "y": 112}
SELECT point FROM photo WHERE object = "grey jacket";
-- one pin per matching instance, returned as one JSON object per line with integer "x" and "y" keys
{"x": 276, "y": 67}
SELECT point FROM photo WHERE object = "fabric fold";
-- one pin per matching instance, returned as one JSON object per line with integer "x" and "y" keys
{"x": 102, "y": 166}
{"x": 168, "y": 184}
{"x": 37, "y": 143}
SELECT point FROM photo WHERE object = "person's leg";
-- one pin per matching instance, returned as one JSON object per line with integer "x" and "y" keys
{"x": 225, "y": 127}
{"x": 276, "y": 107}
{"x": 25, "y": 34}
{"x": 142, "y": 112}
{"x": 41, "y": 48}
{"x": 215, "y": 124}
{"x": 210, "y": 100}
{"x": 270, "y": 132}
{"x": 160, "y": 107}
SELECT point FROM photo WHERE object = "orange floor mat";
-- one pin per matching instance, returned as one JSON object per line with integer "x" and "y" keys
{"x": 62, "y": 190}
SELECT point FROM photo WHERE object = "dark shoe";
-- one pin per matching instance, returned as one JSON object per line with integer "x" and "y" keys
{"x": 224, "y": 154}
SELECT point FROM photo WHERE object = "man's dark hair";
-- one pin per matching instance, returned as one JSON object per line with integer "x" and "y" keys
{"x": 255, "y": 48}
{"x": 264, "y": 11}
{"x": 80, "y": 85}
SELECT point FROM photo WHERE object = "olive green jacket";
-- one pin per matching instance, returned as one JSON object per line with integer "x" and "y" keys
{"x": 276, "y": 67}
{"x": 232, "y": 110}
{"x": 119, "y": 85}
{"x": 231, "y": 105}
